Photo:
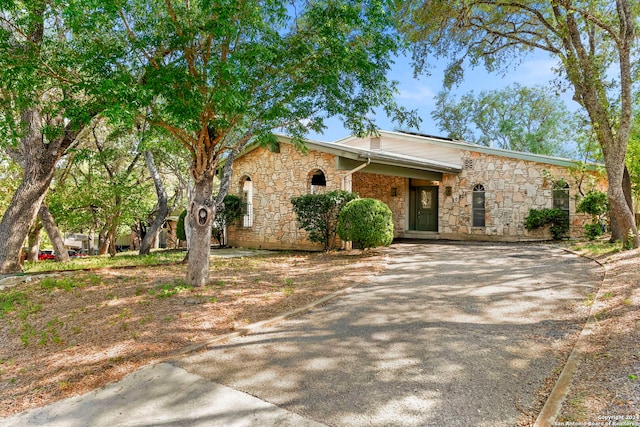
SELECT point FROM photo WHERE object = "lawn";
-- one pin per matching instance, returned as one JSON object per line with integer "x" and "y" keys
{"x": 66, "y": 333}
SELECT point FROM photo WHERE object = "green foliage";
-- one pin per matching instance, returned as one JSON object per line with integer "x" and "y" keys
{"x": 318, "y": 214}
{"x": 230, "y": 210}
{"x": 516, "y": 118}
{"x": 170, "y": 289}
{"x": 180, "y": 230}
{"x": 368, "y": 222}
{"x": 556, "y": 218}
{"x": 66, "y": 283}
{"x": 595, "y": 203}
{"x": 9, "y": 300}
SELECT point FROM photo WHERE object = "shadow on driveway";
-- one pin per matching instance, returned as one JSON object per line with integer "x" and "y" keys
{"x": 448, "y": 334}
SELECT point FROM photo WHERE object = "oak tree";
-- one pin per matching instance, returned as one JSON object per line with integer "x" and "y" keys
{"x": 593, "y": 42}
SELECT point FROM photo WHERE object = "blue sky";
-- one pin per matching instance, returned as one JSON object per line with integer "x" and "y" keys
{"x": 419, "y": 93}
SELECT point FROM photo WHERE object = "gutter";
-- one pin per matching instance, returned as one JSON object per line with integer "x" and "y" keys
{"x": 351, "y": 172}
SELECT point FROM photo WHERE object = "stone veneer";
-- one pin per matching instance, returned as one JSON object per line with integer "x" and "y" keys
{"x": 276, "y": 178}
{"x": 380, "y": 187}
{"x": 512, "y": 187}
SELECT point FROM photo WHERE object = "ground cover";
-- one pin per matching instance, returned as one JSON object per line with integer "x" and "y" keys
{"x": 67, "y": 333}
{"x": 606, "y": 387}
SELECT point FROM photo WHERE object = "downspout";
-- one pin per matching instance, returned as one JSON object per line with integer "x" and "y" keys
{"x": 343, "y": 184}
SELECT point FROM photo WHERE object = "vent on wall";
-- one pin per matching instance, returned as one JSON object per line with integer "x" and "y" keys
{"x": 374, "y": 143}
{"x": 468, "y": 164}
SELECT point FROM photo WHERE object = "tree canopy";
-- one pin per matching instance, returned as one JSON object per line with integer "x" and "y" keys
{"x": 519, "y": 118}
{"x": 593, "y": 42}
{"x": 219, "y": 75}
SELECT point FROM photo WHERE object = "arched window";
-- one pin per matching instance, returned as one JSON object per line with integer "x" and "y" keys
{"x": 318, "y": 182}
{"x": 561, "y": 197}
{"x": 247, "y": 198}
{"x": 478, "y": 206}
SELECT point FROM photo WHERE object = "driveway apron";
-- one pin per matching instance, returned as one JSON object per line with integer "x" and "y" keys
{"x": 448, "y": 335}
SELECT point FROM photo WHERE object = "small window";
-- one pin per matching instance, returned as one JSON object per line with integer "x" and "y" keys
{"x": 318, "y": 182}
{"x": 478, "y": 206}
{"x": 247, "y": 198}
{"x": 561, "y": 197}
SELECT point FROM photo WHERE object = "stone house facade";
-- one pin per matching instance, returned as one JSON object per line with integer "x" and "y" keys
{"x": 436, "y": 188}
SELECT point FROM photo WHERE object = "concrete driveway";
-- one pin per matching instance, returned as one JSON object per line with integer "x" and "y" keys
{"x": 450, "y": 334}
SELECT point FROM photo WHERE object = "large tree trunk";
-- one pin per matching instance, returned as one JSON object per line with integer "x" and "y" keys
{"x": 33, "y": 239}
{"x": 200, "y": 213}
{"x": 38, "y": 162}
{"x": 617, "y": 232}
{"x": 54, "y": 233}
{"x": 163, "y": 206}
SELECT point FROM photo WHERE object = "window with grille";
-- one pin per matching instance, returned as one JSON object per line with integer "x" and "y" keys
{"x": 561, "y": 197}
{"x": 247, "y": 198}
{"x": 478, "y": 206}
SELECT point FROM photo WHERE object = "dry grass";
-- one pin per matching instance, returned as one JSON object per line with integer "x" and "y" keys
{"x": 69, "y": 333}
{"x": 607, "y": 383}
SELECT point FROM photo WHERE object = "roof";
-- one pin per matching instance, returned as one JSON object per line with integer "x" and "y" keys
{"x": 427, "y": 140}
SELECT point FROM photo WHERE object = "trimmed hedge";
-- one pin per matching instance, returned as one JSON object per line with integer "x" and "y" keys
{"x": 367, "y": 222}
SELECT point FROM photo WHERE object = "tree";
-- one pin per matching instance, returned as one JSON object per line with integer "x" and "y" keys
{"x": 43, "y": 107}
{"x": 220, "y": 75}
{"x": 590, "y": 40}
{"x": 519, "y": 118}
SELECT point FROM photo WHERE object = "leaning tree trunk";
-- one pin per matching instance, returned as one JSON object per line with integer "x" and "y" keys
{"x": 163, "y": 206}
{"x": 18, "y": 218}
{"x": 54, "y": 233}
{"x": 33, "y": 239}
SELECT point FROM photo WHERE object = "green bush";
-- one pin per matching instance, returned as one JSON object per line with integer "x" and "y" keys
{"x": 318, "y": 214}
{"x": 230, "y": 211}
{"x": 368, "y": 222}
{"x": 556, "y": 218}
{"x": 593, "y": 231}
{"x": 595, "y": 203}
{"x": 181, "y": 234}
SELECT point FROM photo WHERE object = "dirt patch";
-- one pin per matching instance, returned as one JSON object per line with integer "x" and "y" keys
{"x": 606, "y": 387}
{"x": 74, "y": 332}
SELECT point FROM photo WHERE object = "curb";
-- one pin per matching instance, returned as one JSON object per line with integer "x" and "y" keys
{"x": 556, "y": 398}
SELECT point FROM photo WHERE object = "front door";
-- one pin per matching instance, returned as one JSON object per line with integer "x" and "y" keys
{"x": 427, "y": 208}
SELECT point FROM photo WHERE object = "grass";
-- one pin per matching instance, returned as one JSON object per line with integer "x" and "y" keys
{"x": 597, "y": 248}
{"x": 123, "y": 259}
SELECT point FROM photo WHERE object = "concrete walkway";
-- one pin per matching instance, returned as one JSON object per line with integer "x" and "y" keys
{"x": 448, "y": 335}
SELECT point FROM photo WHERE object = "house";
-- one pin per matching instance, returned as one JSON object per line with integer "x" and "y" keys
{"x": 437, "y": 188}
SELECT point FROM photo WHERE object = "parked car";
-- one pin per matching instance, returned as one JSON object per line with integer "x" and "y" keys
{"x": 74, "y": 254}
{"x": 46, "y": 254}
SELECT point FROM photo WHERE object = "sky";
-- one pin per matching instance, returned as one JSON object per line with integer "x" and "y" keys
{"x": 419, "y": 93}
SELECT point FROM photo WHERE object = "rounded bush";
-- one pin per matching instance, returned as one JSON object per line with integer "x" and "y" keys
{"x": 368, "y": 222}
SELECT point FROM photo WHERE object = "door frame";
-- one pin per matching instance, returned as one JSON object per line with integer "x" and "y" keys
{"x": 413, "y": 206}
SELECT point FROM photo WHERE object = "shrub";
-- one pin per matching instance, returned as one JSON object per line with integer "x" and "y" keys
{"x": 368, "y": 222}
{"x": 557, "y": 218}
{"x": 318, "y": 214}
{"x": 595, "y": 203}
{"x": 227, "y": 213}
{"x": 181, "y": 234}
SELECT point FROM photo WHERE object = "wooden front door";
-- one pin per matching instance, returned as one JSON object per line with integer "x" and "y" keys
{"x": 427, "y": 208}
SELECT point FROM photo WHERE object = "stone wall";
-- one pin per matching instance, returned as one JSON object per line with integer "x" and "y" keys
{"x": 512, "y": 188}
{"x": 276, "y": 178}
{"x": 391, "y": 190}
